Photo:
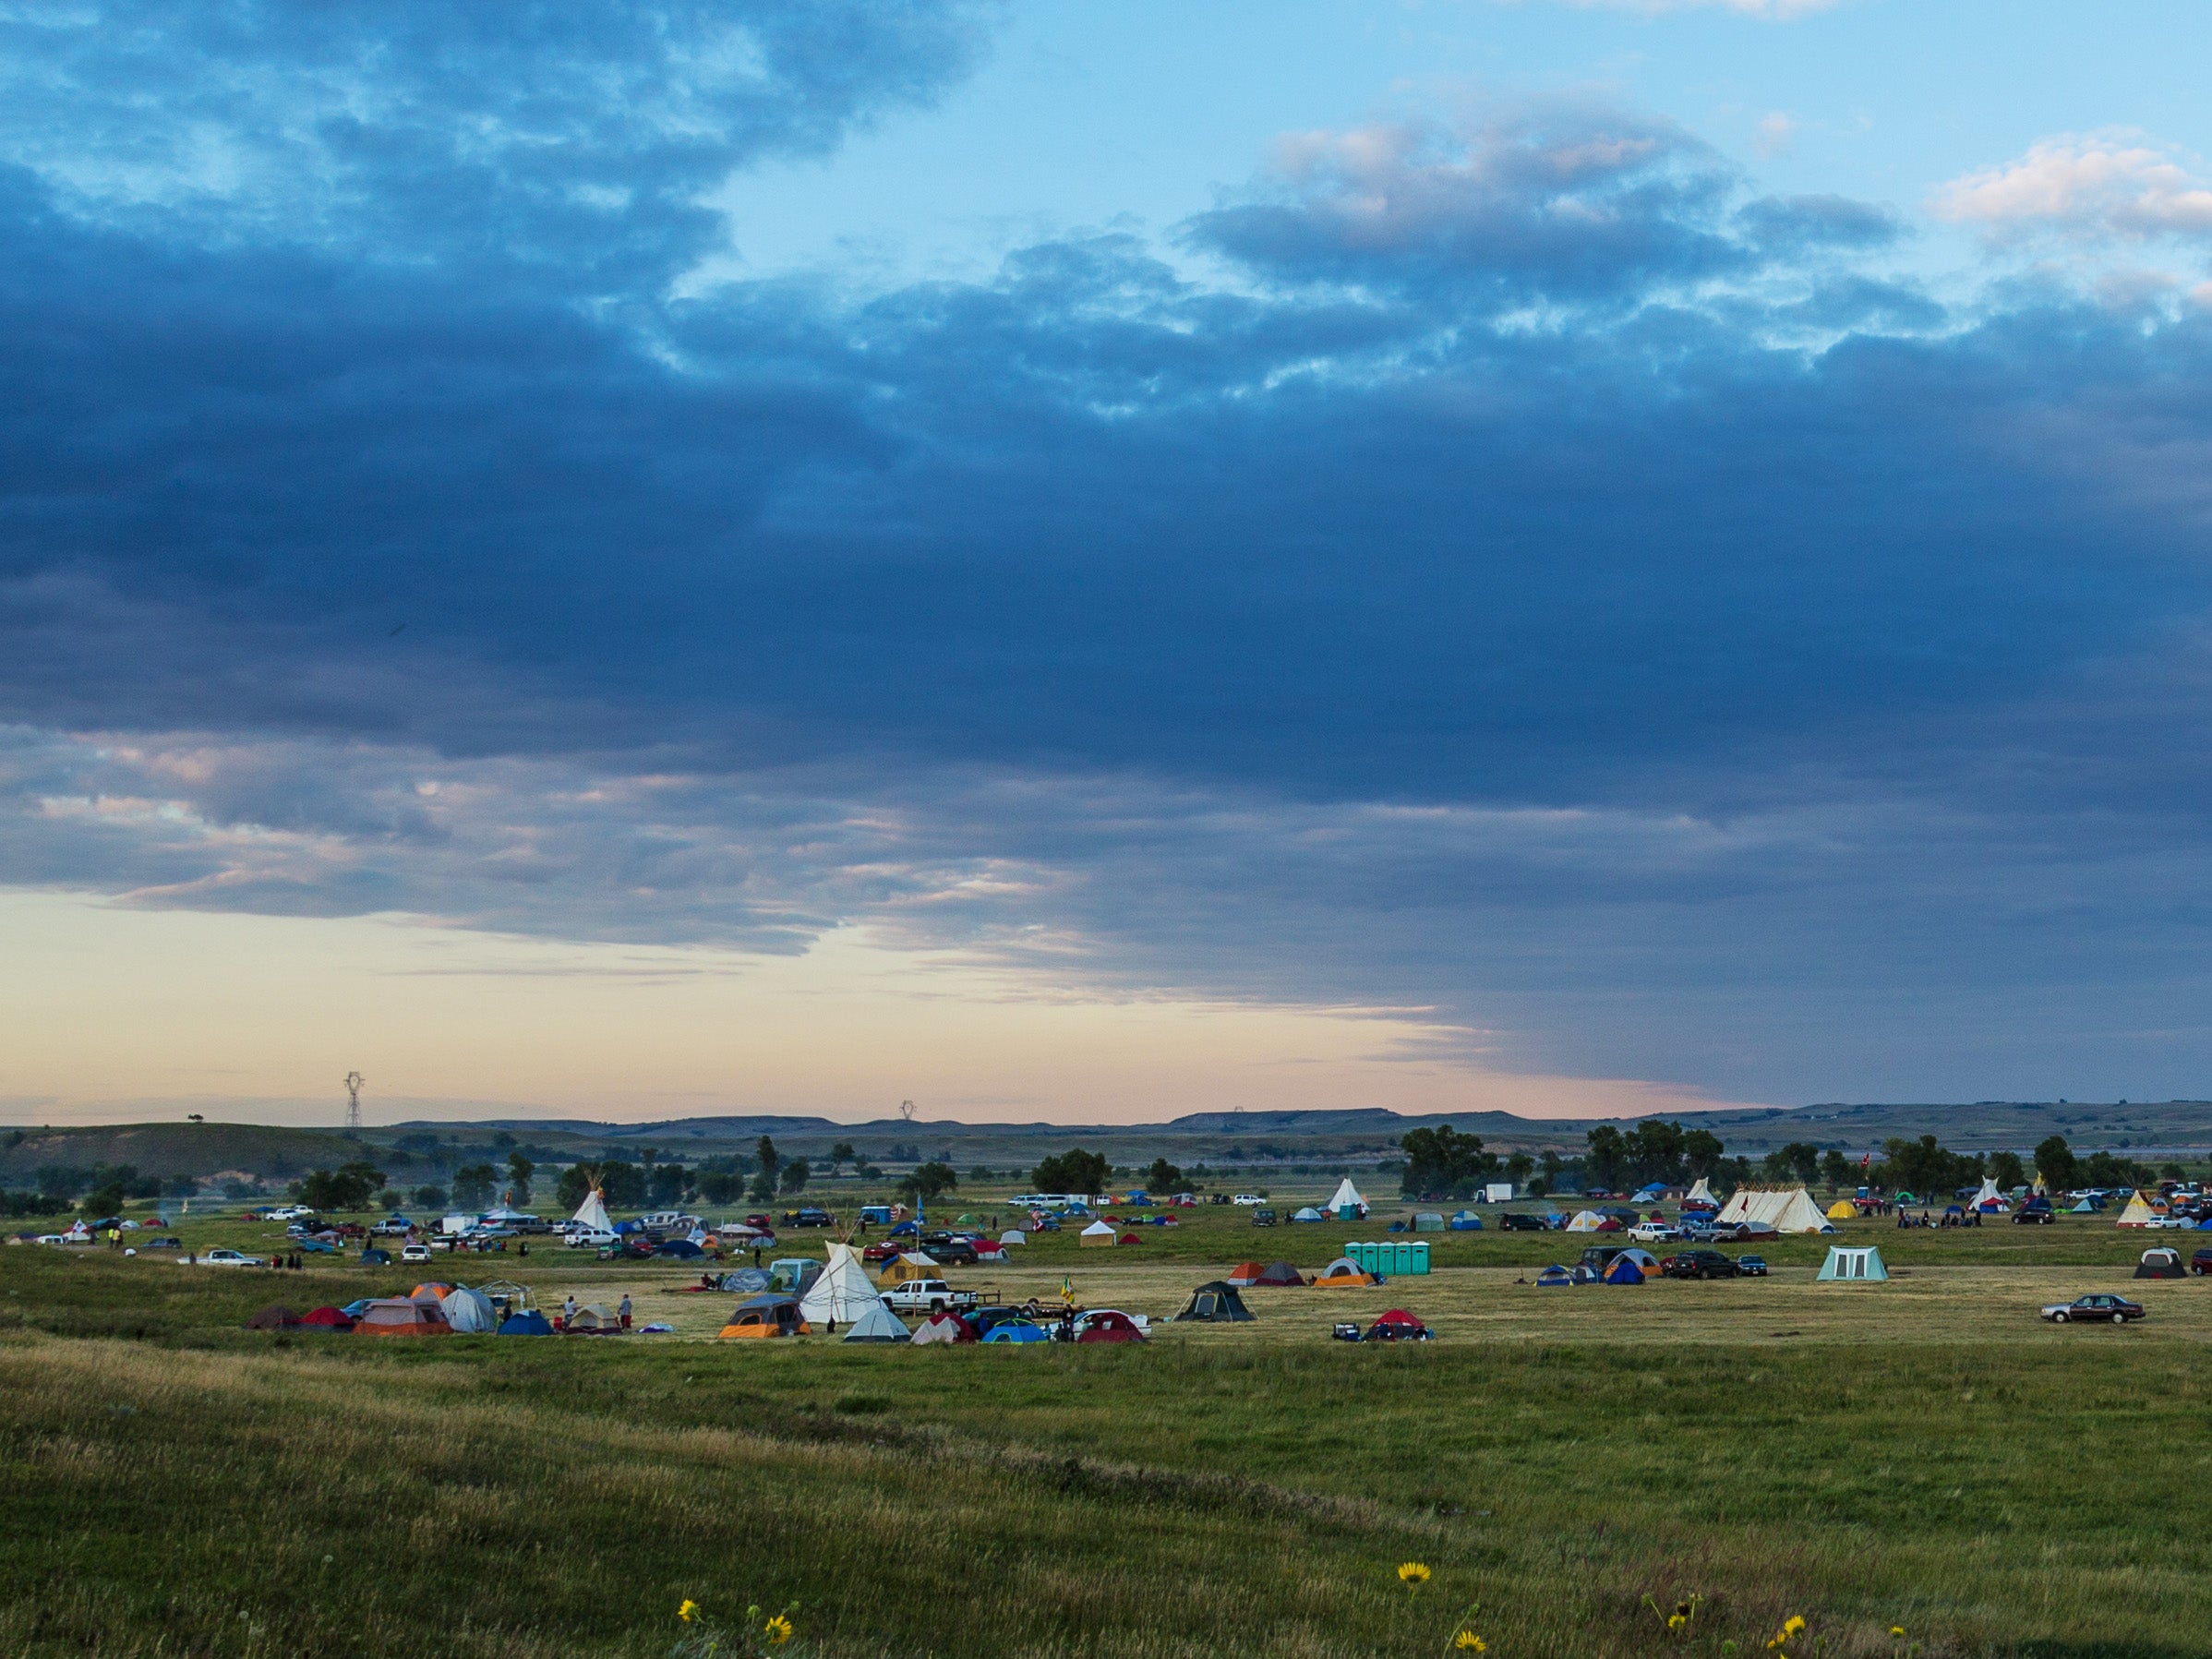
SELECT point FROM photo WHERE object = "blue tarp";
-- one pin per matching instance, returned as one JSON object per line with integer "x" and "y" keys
{"x": 528, "y": 1323}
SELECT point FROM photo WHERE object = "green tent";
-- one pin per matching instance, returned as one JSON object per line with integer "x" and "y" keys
{"x": 1853, "y": 1264}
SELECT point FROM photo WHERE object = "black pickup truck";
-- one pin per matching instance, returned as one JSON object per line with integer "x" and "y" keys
{"x": 1700, "y": 1264}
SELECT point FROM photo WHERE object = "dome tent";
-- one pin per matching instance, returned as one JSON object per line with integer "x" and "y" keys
{"x": 1624, "y": 1269}
{"x": 1843, "y": 1210}
{"x": 771, "y": 1313}
{"x": 401, "y": 1316}
{"x": 2161, "y": 1263}
{"x": 528, "y": 1323}
{"x": 947, "y": 1326}
{"x": 1280, "y": 1275}
{"x": 1309, "y": 1214}
{"x": 468, "y": 1312}
{"x": 1587, "y": 1220}
{"x": 1246, "y": 1272}
{"x": 878, "y": 1324}
{"x": 1214, "y": 1302}
{"x": 1343, "y": 1274}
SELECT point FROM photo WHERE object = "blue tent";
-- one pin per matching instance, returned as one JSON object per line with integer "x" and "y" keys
{"x": 1555, "y": 1276}
{"x": 1017, "y": 1330}
{"x": 354, "y": 1310}
{"x": 528, "y": 1323}
{"x": 681, "y": 1248}
{"x": 904, "y": 1229}
{"x": 373, "y": 1257}
{"x": 1624, "y": 1270}
{"x": 1465, "y": 1221}
{"x": 1584, "y": 1273}
{"x": 748, "y": 1280}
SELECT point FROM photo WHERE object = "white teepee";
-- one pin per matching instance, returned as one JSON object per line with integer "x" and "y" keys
{"x": 1700, "y": 1193}
{"x": 592, "y": 1213}
{"x": 1792, "y": 1211}
{"x": 841, "y": 1291}
{"x": 1348, "y": 1195}
{"x": 1989, "y": 1193}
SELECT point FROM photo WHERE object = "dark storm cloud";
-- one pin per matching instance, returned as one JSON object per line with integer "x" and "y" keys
{"x": 1541, "y": 579}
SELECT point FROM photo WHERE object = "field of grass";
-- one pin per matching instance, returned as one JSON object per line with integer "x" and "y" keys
{"x": 1924, "y": 1452}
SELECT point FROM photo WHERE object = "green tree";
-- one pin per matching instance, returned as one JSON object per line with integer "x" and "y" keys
{"x": 1442, "y": 1160}
{"x": 721, "y": 1186}
{"x": 350, "y": 1186}
{"x": 519, "y": 1170}
{"x": 796, "y": 1174}
{"x": 624, "y": 1186}
{"x": 2006, "y": 1170}
{"x": 2055, "y": 1163}
{"x": 842, "y": 1153}
{"x": 1162, "y": 1177}
{"x": 1606, "y": 1161}
{"x": 434, "y": 1197}
{"x": 1074, "y": 1170}
{"x": 769, "y": 1159}
{"x": 473, "y": 1185}
{"x": 929, "y": 1182}
{"x": 573, "y": 1188}
{"x": 103, "y": 1200}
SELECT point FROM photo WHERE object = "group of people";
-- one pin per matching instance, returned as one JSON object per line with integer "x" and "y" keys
{"x": 1971, "y": 1219}
{"x": 569, "y": 1308}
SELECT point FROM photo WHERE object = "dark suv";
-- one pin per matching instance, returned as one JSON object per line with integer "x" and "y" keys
{"x": 953, "y": 1252}
{"x": 1700, "y": 1264}
{"x": 1519, "y": 1223}
{"x": 1601, "y": 1256}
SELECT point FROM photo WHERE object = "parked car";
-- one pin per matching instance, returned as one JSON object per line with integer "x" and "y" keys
{"x": 1654, "y": 1232}
{"x": 393, "y": 1227}
{"x": 1700, "y": 1264}
{"x": 950, "y": 1253}
{"x": 231, "y": 1258}
{"x": 418, "y": 1252}
{"x": 179, "y": 1244}
{"x": 1751, "y": 1266}
{"x": 1600, "y": 1256}
{"x": 581, "y": 1238}
{"x": 2119, "y": 1310}
{"x": 1247, "y": 1199}
{"x": 2030, "y": 1218}
{"x": 1067, "y": 1331}
{"x": 1263, "y": 1217}
{"x": 812, "y": 1217}
{"x": 929, "y": 1296}
{"x": 2202, "y": 1261}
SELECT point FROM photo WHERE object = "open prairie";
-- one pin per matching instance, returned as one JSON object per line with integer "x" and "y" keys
{"x": 1924, "y": 1453}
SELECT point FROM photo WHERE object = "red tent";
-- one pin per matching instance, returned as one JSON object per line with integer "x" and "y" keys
{"x": 1396, "y": 1326}
{"x": 1244, "y": 1273}
{"x": 1129, "y": 1238}
{"x": 1110, "y": 1326}
{"x": 402, "y": 1316}
{"x": 327, "y": 1318}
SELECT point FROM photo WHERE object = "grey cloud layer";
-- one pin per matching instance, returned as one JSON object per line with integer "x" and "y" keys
{"x": 1544, "y": 578}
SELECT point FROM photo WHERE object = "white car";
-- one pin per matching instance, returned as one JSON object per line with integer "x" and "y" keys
{"x": 1247, "y": 1199}
{"x": 591, "y": 1238}
{"x": 288, "y": 1212}
{"x": 231, "y": 1258}
{"x": 52, "y": 1238}
{"x": 1092, "y": 1315}
{"x": 1654, "y": 1232}
{"x": 415, "y": 1253}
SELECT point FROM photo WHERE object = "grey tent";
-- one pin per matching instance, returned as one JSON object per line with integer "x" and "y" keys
{"x": 275, "y": 1317}
{"x": 1215, "y": 1303}
{"x": 878, "y": 1324}
{"x": 1279, "y": 1273}
{"x": 469, "y": 1312}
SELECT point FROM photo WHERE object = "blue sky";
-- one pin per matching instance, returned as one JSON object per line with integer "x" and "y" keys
{"x": 1462, "y": 553}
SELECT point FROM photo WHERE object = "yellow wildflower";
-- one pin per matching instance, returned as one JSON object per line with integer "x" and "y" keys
{"x": 1469, "y": 1642}
{"x": 689, "y": 1611}
{"x": 1675, "y": 1621}
{"x": 1413, "y": 1573}
{"x": 778, "y": 1629}
{"x": 1898, "y": 1631}
{"x": 1793, "y": 1626}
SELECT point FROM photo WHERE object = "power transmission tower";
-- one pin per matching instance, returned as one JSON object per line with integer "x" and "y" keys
{"x": 905, "y": 1110}
{"x": 353, "y": 1098}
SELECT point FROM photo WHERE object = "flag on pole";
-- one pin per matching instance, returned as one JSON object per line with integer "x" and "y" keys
{"x": 1067, "y": 1293}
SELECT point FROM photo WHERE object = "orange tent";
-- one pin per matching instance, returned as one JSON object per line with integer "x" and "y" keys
{"x": 767, "y": 1315}
{"x": 1244, "y": 1273}
{"x": 402, "y": 1316}
{"x": 1343, "y": 1274}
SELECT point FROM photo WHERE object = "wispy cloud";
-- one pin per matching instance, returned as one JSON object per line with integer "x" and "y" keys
{"x": 2100, "y": 186}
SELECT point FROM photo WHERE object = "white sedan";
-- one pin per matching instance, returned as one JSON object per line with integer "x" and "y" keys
{"x": 228, "y": 1258}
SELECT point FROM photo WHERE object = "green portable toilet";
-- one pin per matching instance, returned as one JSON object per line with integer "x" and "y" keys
{"x": 1401, "y": 1258}
{"x": 1420, "y": 1254}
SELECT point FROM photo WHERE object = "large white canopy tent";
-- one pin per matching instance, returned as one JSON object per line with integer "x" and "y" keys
{"x": 1792, "y": 1211}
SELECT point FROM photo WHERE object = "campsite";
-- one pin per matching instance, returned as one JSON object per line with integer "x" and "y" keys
{"x": 1860, "y": 1452}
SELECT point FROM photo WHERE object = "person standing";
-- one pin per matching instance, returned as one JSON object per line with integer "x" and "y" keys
{"x": 624, "y": 1310}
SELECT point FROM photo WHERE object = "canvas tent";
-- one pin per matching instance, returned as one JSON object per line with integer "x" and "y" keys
{"x": 1843, "y": 1210}
{"x": 592, "y": 1213}
{"x": 469, "y": 1313}
{"x": 1853, "y": 1263}
{"x": 945, "y": 1327}
{"x": 401, "y": 1316}
{"x": 1346, "y": 1204}
{"x": 1097, "y": 1233}
{"x": 1215, "y": 1303}
{"x": 841, "y": 1291}
{"x": 1342, "y": 1274}
{"x": 2138, "y": 1212}
{"x": 913, "y": 1265}
{"x": 1792, "y": 1211}
{"x": 877, "y": 1324}
{"x": 1701, "y": 1196}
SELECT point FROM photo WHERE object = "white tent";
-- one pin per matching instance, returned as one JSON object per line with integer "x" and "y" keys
{"x": 1792, "y": 1211}
{"x": 1587, "y": 1220}
{"x": 1700, "y": 1193}
{"x": 468, "y": 1312}
{"x": 1347, "y": 1197}
{"x": 1013, "y": 1235}
{"x": 2138, "y": 1212}
{"x": 1097, "y": 1233}
{"x": 841, "y": 1291}
{"x": 1989, "y": 1194}
{"x": 879, "y": 1324}
{"x": 592, "y": 1213}
{"x": 1853, "y": 1262}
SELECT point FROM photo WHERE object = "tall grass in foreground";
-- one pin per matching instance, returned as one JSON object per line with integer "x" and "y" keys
{"x": 484, "y": 1498}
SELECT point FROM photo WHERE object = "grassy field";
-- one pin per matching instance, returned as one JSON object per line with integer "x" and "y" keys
{"x": 1924, "y": 1452}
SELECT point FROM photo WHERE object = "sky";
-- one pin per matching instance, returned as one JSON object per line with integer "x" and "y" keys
{"x": 1089, "y": 561}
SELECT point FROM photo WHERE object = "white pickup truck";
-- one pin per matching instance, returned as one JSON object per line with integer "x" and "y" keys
{"x": 928, "y": 1296}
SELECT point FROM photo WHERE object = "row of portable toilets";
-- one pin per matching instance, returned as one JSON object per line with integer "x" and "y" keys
{"x": 1392, "y": 1257}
